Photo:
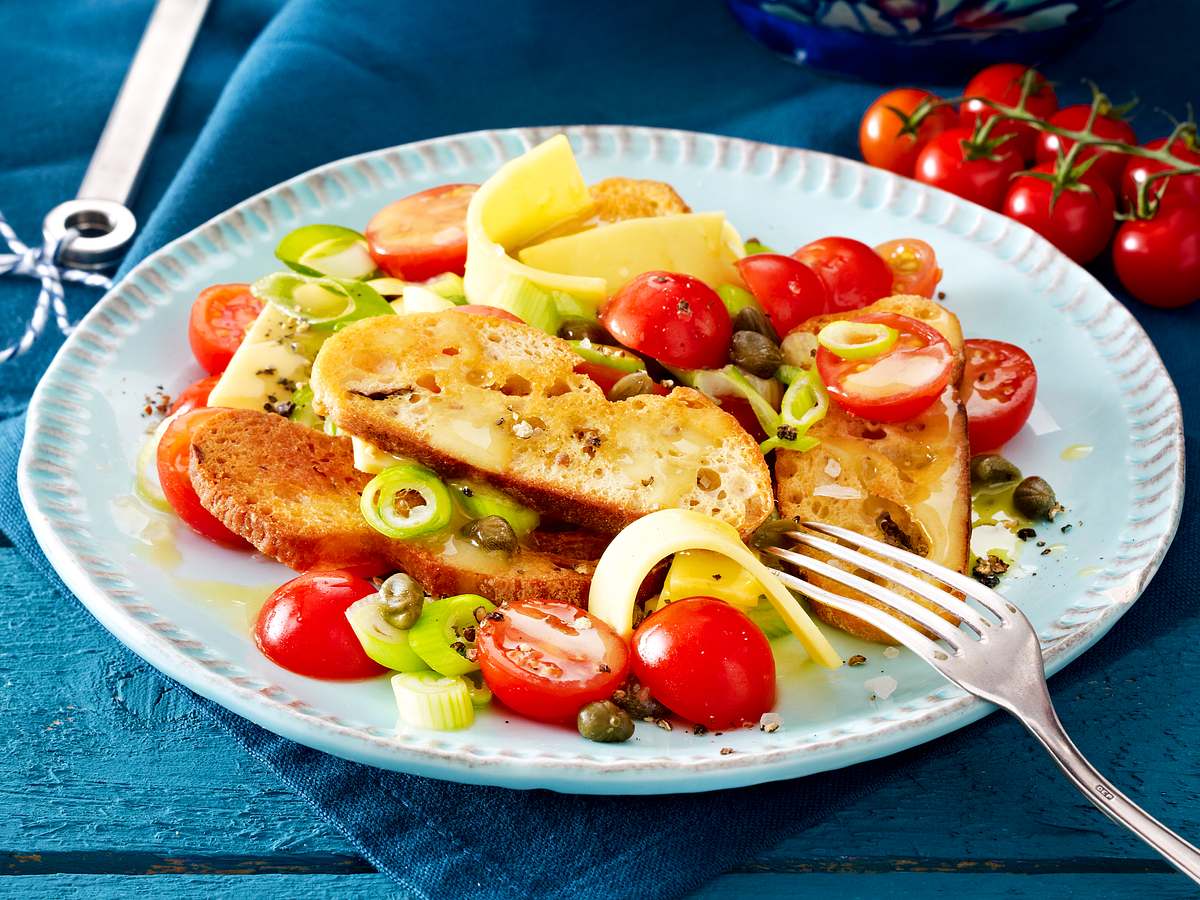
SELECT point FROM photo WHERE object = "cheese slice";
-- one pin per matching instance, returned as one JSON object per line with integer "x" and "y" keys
{"x": 272, "y": 359}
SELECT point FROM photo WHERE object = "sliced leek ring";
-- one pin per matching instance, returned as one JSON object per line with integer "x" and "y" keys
{"x": 857, "y": 340}
{"x": 430, "y": 700}
{"x": 146, "y": 484}
{"x": 637, "y": 549}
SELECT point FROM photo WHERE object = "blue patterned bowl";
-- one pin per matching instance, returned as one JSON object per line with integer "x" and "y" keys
{"x": 916, "y": 40}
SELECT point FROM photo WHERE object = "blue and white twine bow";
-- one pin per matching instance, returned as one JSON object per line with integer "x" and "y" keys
{"x": 41, "y": 262}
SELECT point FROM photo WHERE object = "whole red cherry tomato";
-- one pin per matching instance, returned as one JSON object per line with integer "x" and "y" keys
{"x": 1176, "y": 190}
{"x": 424, "y": 234}
{"x": 174, "y": 451}
{"x": 195, "y": 395}
{"x": 1001, "y": 83}
{"x": 1079, "y": 222}
{"x": 677, "y": 319}
{"x": 788, "y": 291}
{"x": 545, "y": 658}
{"x": 1108, "y": 165}
{"x": 950, "y": 162}
{"x": 706, "y": 661}
{"x": 219, "y": 319}
{"x": 999, "y": 385}
{"x": 854, "y": 274}
{"x": 303, "y": 626}
{"x": 914, "y": 266}
{"x": 1158, "y": 260}
{"x": 879, "y": 135}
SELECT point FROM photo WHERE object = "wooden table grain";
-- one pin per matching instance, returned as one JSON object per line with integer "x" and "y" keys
{"x": 114, "y": 786}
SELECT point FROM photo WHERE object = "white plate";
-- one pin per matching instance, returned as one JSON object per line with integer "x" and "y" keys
{"x": 185, "y": 605}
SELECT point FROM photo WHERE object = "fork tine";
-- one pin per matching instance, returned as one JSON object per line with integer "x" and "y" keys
{"x": 905, "y": 634}
{"x": 931, "y": 620}
{"x": 985, "y": 597}
{"x": 933, "y": 594}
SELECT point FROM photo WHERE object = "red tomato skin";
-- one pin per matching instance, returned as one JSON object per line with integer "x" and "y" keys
{"x": 1158, "y": 260}
{"x": 706, "y": 662}
{"x": 879, "y": 139}
{"x": 1177, "y": 190}
{"x": 914, "y": 266}
{"x": 1108, "y": 165}
{"x": 490, "y": 312}
{"x": 943, "y": 164}
{"x": 195, "y": 395}
{"x": 854, "y": 275}
{"x": 740, "y": 409}
{"x": 1080, "y": 222}
{"x": 218, "y": 323}
{"x": 423, "y": 234}
{"x": 606, "y": 377}
{"x": 1002, "y": 84}
{"x": 673, "y": 318}
{"x": 998, "y": 406}
{"x": 538, "y": 696}
{"x": 789, "y": 291}
{"x": 174, "y": 452}
{"x": 302, "y": 627}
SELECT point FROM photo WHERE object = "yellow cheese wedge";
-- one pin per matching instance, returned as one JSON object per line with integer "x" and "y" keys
{"x": 703, "y": 245}
{"x": 272, "y": 358}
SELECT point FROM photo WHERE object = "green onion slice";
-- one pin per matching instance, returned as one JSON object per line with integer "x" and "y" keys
{"x": 857, "y": 340}
{"x": 146, "y": 484}
{"x": 805, "y": 403}
{"x": 767, "y": 417}
{"x": 406, "y": 501}
{"x": 444, "y": 636}
{"x": 753, "y": 246}
{"x": 302, "y": 408}
{"x": 613, "y": 357}
{"x": 449, "y": 286}
{"x": 429, "y": 700}
{"x": 736, "y": 299}
{"x": 479, "y": 500}
{"x": 381, "y": 640}
{"x": 326, "y": 250}
{"x": 328, "y": 303}
{"x": 389, "y": 287}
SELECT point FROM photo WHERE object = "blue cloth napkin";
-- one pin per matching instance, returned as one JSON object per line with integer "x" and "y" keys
{"x": 323, "y": 81}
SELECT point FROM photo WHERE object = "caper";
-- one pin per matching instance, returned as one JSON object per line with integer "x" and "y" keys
{"x": 754, "y": 319}
{"x": 756, "y": 353}
{"x": 631, "y": 385}
{"x": 1034, "y": 499}
{"x": 604, "y": 721}
{"x": 491, "y": 533}
{"x": 991, "y": 469}
{"x": 402, "y": 599}
{"x": 580, "y": 329}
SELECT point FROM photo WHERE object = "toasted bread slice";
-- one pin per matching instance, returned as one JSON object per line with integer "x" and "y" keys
{"x": 618, "y": 199}
{"x": 907, "y": 483}
{"x": 500, "y": 401}
{"x": 293, "y": 493}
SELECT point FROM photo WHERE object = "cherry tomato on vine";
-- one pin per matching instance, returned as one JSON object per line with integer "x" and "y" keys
{"x": 854, "y": 274}
{"x": 545, "y": 658}
{"x": 218, "y": 322}
{"x": 195, "y": 395}
{"x": 951, "y": 163}
{"x": 1108, "y": 165}
{"x": 788, "y": 291}
{"x": 677, "y": 319}
{"x": 174, "y": 451}
{"x": 1158, "y": 260}
{"x": 1177, "y": 190}
{"x": 879, "y": 135}
{"x": 1001, "y": 83}
{"x": 913, "y": 264}
{"x": 422, "y": 235}
{"x": 897, "y": 384}
{"x": 303, "y": 626}
{"x": 999, "y": 385}
{"x": 1079, "y": 222}
{"x": 706, "y": 661}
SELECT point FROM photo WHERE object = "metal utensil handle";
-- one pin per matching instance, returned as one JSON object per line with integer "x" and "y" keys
{"x": 1044, "y": 724}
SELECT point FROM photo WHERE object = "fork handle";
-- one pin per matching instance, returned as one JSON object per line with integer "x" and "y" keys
{"x": 1046, "y": 727}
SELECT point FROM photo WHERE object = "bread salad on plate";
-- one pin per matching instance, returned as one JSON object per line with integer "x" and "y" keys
{"x": 524, "y": 443}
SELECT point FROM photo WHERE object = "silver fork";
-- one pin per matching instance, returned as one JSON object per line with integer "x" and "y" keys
{"x": 992, "y": 654}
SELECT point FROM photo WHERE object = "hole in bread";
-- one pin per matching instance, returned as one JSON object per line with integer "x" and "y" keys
{"x": 598, "y": 472}
{"x": 873, "y": 433}
{"x": 723, "y": 495}
{"x": 516, "y": 386}
{"x": 450, "y": 351}
{"x": 557, "y": 389}
{"x": 429, "y": 382}
{"x": 708, "y": 479}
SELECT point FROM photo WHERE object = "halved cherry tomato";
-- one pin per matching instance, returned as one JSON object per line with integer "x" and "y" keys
{"x": 677, "y": 319}
{"x": 1078, "y": 222}
{"x": 788, "y": 291}
{"x": 545, "y": 659}
{"x": 218, "y": 323}
{"x": 913, "y": 264}
{"x": 494, "y": 312}
{"x": 1108, "y": 165}
{"x": 879, "y": 135}
{"x": 707, "y": 662}
{"x": 999, "y": 385}
{"x": 895, "y": 385}
{"x": 1176, "y": 190}
{"x": 424, "y": 234}
{"x": 195, "y": 395}
{"x": 303, "y": 626}
{"x": 173, "y": 452}
{"x": 947, "y": 162}
{"x": 1002, "y": 83}
{"x": 854, "y": 274}
{"x": 740, "y": 409}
